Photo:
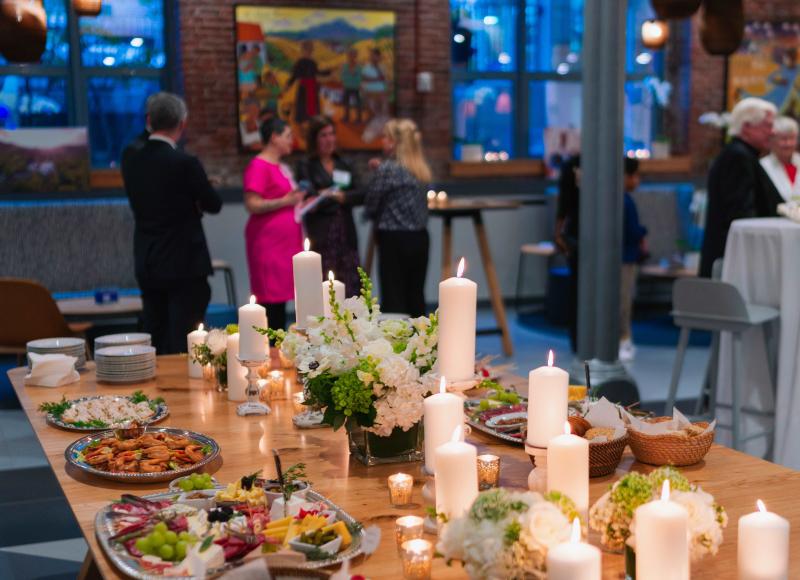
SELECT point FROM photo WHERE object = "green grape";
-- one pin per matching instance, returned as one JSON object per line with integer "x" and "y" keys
{"x": 186, "y": 485}
{"x": 157, "y": 539}
{"x": 166, "y": 552}
{"x": 143, "y": 545}
{"x": 171, "y": 537}
{"x": 184, "y": 536}
{"x": 160, "y": 527}
{"x": 180, "y": 550}
{"x": 484, "y": 405}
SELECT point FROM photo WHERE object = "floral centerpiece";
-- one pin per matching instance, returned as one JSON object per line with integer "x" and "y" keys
{"x": 613, "y": 514}
{"x": 369, "y": 374}
{"x": 214, "y": 352}
{"x": 506, "y": 534}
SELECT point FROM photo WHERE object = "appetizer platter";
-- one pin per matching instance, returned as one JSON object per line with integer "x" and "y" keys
{"x": 101, "y": 412}
{"x": 158, "y": 454}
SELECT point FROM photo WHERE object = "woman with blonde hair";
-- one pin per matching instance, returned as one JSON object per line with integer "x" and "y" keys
{"x": 397, "y": 204}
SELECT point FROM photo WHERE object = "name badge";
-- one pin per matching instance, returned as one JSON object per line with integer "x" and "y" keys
{"x": 342, "y": 178}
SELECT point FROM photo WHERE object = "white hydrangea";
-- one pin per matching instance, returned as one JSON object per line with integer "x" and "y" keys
{"x": 705, "y": 530}
{"x": 217, "y": 341}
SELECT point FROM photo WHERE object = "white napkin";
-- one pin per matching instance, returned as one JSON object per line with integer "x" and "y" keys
{"x": 677, "y": 423}
{"x": 604, "y": 413}
{"x": 52, "y": 370}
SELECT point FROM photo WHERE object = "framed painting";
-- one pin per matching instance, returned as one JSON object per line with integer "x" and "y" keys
{"x": 296, "y": 63}
{"x": 44, "y": 160}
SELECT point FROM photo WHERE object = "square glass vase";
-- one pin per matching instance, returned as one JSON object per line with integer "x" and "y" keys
{"x": 399, "y": 447}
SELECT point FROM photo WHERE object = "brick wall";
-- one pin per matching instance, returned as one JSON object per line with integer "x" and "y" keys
{"x": 209, "y": 75}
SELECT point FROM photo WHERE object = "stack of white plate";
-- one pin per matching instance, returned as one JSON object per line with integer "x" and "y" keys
{"x": 122, "y": 340}
{"x": 125, "y": 364}
{"x": 67, "y": 345}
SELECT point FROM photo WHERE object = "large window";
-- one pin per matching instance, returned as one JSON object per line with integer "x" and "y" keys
{"x": 517, "y": 72}
{"x": 100, "y": 79}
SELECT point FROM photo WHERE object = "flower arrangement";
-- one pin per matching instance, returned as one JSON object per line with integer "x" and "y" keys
{"x": 613, "y": 514}
{"x": 506, "y": 534}
{"x": 364, "y": 371}
{"x": 214, "y": 351}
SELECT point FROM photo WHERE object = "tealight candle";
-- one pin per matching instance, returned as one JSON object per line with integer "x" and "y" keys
{"x": 407, "y": 528}
{"x": 298, "y": 399}
{"x": 763, "y": 552}
{"x": 568, "y": 467}
{"x": 276, "y": 385}
{"x": 458, "y": 299}
{"x": 338, "y": 292}
{"x": 400, "y": 488}
{"x": 662, "y": 544}
{"x": 488, "y": 471}
{"x": 195, "y": 337}
{"x": 307, "y": 268}
{"x": 548, "y": 392}
{"x": 252, "y": 345}
{"x": 574, "y": 560}
{"x": 417, "y": 558}
{"x": 286, "y": 362}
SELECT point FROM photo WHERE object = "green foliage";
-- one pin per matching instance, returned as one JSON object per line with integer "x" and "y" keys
{"x": 276, "y": 337}
{"x": 366, "y": 290}
{"x": 632, "y": 491}
{"x": 350, "y": 395}
{"x": 231, "y": 329}
{"x": 494, "y": 505}
{"x": 564, "y": 503}
{"x": 677, "y": 481}
{"x": 512, "y": 532}
{"x": 56, "y": 409}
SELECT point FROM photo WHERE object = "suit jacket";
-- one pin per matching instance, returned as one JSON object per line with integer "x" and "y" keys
{"x": 168, "y": 192}
{"x": 738, "y": 188}
{"x": 780, "y": 179}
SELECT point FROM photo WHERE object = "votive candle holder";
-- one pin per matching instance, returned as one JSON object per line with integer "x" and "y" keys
{"x": 400, "y": 488}
{"x": 407, "y": 528}
{"x": 488, "y": 471}
{"x": 417, "y": 556}
{"x": 277, "y": 386}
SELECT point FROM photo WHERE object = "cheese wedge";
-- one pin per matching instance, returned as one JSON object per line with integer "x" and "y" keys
{"x": 281, "y": 523}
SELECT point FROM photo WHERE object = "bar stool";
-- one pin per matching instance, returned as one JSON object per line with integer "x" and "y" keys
{"x": 716, "y": 306}
{"x": 542, "y": 249}
{"x": 227, "y": 272}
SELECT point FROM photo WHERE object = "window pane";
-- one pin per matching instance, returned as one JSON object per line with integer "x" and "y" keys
{"x": 554, "y": 35}
{"x": 32, "y": 101}
{"x": 126, "y": 33}
{"x": 56, "y": 51}
{"x": 484, "y": 34}
{"x": 639, "y": 59}
{"x": 554, "y": 108}
{"x": 116, "y": 115}
{"x": 482, "y": 117}
{"x": 639, "y": 108}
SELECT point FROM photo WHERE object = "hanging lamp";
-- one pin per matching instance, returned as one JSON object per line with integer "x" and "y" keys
{"x": 675, "y": 9}
{"x": 655, "y": 33}
{"x": 23, "y": 30}
{"x": 722, "y": 26}
{"x": 87, "y": 7}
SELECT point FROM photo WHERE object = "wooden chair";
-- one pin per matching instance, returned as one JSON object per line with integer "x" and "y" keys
{"x": 28, "y": 312}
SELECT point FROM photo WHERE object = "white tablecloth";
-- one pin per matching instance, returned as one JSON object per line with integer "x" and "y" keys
{"x": 762, "y": 259}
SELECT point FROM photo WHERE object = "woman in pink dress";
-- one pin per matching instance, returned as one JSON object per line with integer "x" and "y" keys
{"x": 272, "y": 236}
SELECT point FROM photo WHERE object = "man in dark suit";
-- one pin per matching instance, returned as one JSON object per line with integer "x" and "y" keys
{"x": 738, "y": 187}
{"x": 168, "y": 192}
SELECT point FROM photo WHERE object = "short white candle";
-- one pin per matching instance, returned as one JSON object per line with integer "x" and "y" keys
{"x": 195, "y": 337}
{"x": 252, "y": 345}
{"x": 458, "y": 299}
{"x": 568, "y": 467}
{"x": 456, "y": 476}
{"x": 548, "y": 394}
{"x": 338, "y": 291}
{"x": 307, "y": 268}
{"x": 662, "y": 539}
{"x": 763, "y": 546}
{"x": 443, "y": 412}
{"x": 237, "y": 383}
{"x": 574, "y": 560}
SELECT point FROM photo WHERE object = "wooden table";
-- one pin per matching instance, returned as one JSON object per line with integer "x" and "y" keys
{"x": 88, "y": 309}
{"x": 735, "y": 479}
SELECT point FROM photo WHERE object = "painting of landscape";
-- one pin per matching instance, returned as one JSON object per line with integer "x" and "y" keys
{"x": 296, "y": 63}
{"x": 44, "y": 160}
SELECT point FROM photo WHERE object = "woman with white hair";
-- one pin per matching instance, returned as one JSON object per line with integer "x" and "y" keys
{"x": 783, "y": 161}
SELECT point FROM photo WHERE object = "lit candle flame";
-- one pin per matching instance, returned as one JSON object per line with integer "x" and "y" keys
{"x": 307, "y": 244}
{"x": 460, "y": 271}
{"x": 567, "y": 428}
{"x": 443, "y": 385}
{"x": 200, "y": 326}
{"x": 252, "y": 299}
{"x": 576, "y": 531}
{"x": 761, "y": 507}
{"x": 665, "y": 490}
{"x": 550, "y": 358}
{"x": 458, "y": 434}
{"x": 330, "y": 276}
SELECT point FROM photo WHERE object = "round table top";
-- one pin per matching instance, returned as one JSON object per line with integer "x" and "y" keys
{"x": 466, "y": 205}
{"x": 88, "y": 307}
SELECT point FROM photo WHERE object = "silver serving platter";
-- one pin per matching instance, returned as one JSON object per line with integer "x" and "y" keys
{"x": 129, "y": 565}
{"x": 78, "y": 446}
{"x": 472, "y": 406}
{"x": 161, "y": 413}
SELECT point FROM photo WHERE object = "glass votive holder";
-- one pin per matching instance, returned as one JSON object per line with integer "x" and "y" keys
{"x": 417, "y": 556}
{"x": 407, "y": 528}
{"x": 208, "y": 372}
{"x": 285, "y": 361}
{"x": 298, "y": 400}
{"x": 400, "y": 487}
{"x": 276, "y": 384}
{"x": 488, "y": 471}
{"x": 263, "y": 390}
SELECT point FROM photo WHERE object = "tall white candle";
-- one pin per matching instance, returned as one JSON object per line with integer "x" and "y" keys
{"x": 456, "y": 476}
{"x": 568, "y": 467}
{"x": 662, "y": 539}
{"x": 548, "y": 394}
{"x": 252, "y": 345}
{"x": 307, "y": 267}
{"x": 574, "y": 560}
{"x": 338, "y": 291}
{"x": 237, "y": 383}
{"x": 458, "y": 298}
{"x": 195, "y": 337}
{"x": 763, "y": 546}
{"x": 443, "y": 412}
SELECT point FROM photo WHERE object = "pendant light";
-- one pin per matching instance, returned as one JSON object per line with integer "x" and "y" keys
{"x": 675, "y": 9}
{"x": 23, "y": 30}
{"x": 722, "y": 26}
{"x": 655, "y": 33}
{"x": 87, "y": 7}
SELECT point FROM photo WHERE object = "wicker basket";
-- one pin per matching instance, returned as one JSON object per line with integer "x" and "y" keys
{"x": 604, "y": 457}
{"x": 671, "y": 449}
{"x": 578, "y": 425}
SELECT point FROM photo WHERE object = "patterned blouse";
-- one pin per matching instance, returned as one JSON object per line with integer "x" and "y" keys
{"x": 396, "y": 200}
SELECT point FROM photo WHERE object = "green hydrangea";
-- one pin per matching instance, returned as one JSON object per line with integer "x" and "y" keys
{"x": 632, "y": 491}
{"x": 231, "y": 329}
{"x": 677, "y": 481}
{"x": 564, "y": 503}
{"x": 494, "y": 505}
{"x": 350, "y": 395}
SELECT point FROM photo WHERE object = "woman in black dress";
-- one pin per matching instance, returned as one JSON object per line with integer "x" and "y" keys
{"x": 329, "y": 224}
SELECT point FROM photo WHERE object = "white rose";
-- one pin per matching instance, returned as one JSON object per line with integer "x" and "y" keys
{"x": 217, "y": 341}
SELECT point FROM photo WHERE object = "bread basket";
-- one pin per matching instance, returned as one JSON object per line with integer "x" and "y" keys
{"x": 675, "y": 448}
{"x": 604, "y": 456}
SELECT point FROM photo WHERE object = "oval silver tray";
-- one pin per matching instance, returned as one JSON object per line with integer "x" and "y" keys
{"x": 71, "y": 453}
{"x": 471, "y": 405}
{"x": 129, "y": 566}
{"x": 161, "y": 413}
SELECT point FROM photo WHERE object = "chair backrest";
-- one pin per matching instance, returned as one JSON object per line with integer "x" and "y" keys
{"x": 28, "y": 312}
{"x": 708, "y": 299}
{"x": 621, "y": 391}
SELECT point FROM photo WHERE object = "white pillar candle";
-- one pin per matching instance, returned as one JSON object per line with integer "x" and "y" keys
{"x": 195, "y": 337}
{"x": 252, "y": 345}
{"x": 237, "y": 383}
{"x": 338, "y": 291}
{"x": 443, "y": 412}
{"x": 456, "y": 476}
{"x": 568, "y": 467}
{"x": 662, "y": 539}
{"x": 458, "y": 299}
{"x": 763, "y": 546}
{"x": 574, "y": 560}
{"x": 307, "y": 267}
{"x": 548, "y": 390}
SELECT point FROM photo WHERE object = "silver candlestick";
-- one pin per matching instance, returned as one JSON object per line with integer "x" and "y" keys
{"x": 253, "y": 406}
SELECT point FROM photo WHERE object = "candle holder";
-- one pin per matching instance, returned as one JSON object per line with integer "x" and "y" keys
{"x": 430, "y": 524}
{"x": 417, "y": 558}
{"x": 276, "y": 385}
{"x": 401, "y": 485}
{"x": 488, "y": 471}
{"x": 253, "y": 406}
{"x": 407, "y": 528}
{"x": 537, "y": 479}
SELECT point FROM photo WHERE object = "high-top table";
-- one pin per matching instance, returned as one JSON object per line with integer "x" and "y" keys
{"x": 735, "y": 479}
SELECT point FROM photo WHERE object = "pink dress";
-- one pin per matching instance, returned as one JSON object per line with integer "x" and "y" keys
{"x": 271, "y": 238}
